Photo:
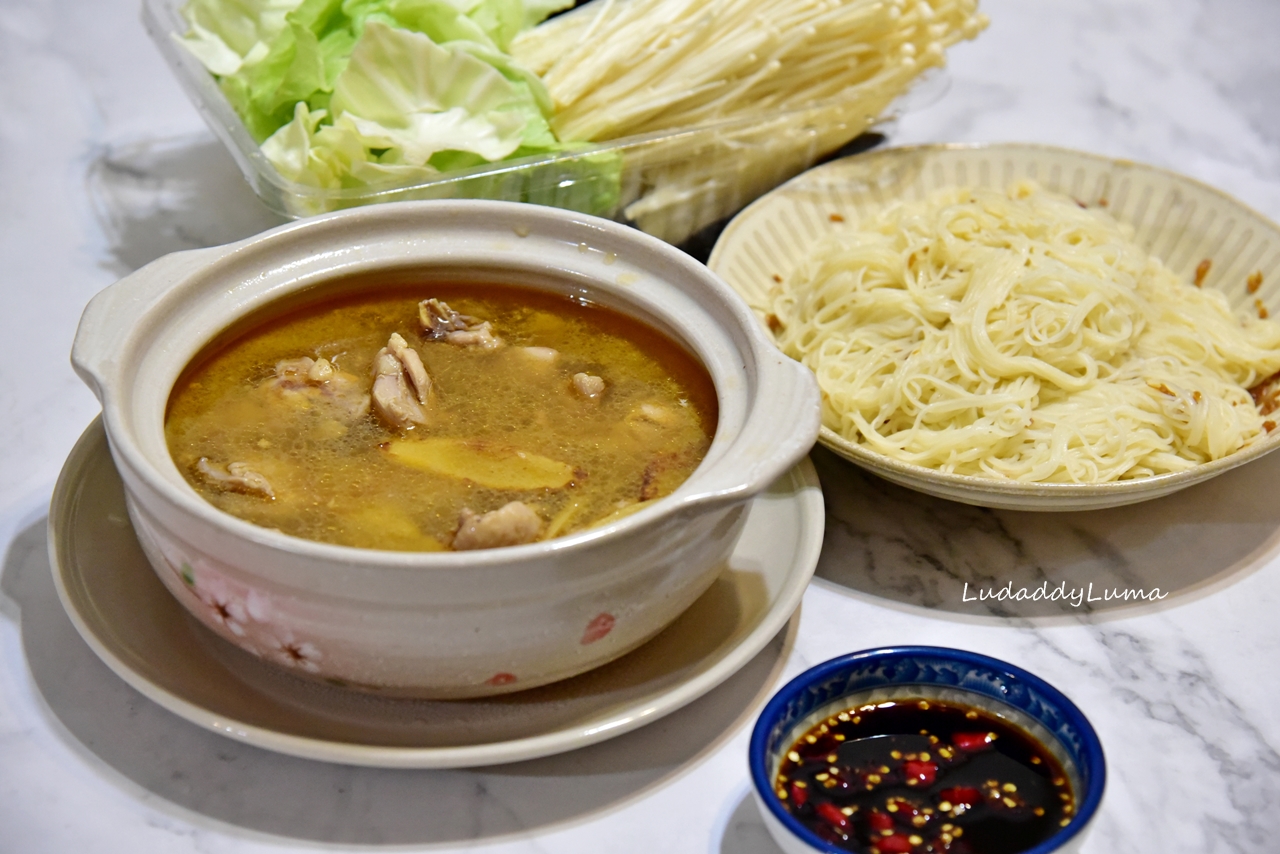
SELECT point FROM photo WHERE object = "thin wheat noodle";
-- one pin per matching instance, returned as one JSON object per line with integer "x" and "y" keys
{"x": 1015, "y": 335}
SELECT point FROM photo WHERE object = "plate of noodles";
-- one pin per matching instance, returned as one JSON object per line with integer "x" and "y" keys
{"x": 1021, "y": 326}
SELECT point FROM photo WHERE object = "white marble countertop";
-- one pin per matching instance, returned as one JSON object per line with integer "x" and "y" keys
{"x": 104, "y": 165}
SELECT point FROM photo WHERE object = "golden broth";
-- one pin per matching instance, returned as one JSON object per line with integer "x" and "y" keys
{"x": 502, "y": 425}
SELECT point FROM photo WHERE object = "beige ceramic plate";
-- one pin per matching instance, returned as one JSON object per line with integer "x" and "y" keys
{"x": 1176, "y": 218}
{"x": 136, "y": 627}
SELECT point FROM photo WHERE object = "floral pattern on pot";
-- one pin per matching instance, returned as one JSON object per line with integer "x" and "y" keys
{"x": 243, "y": 614}
{"x": 600, "y": 625}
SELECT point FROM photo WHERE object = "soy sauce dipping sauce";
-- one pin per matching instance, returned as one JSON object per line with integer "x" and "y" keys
{"x": 919, "y": 776}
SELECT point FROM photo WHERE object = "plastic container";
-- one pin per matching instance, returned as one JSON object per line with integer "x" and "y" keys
{"x": 673, "y": 184}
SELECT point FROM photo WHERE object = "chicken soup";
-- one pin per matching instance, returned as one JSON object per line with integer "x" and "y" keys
{"x": 436, "y": 417}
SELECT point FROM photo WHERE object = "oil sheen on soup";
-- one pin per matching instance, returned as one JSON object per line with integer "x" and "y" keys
{"x": 440, "y": 417}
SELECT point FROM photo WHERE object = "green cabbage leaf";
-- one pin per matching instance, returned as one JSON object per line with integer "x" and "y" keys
{"x": 365, "y": 93}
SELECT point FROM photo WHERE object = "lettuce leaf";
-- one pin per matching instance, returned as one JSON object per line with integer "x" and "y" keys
{"x": 368, "y": 93}
{"x": 234, "y": 27}
{"x": 439, "y": 20}
{"x": 413, "y": 98}
{"x": 333, "y": 156}
{"x": 404, "y": 101}
{"x": 270, "y": 54}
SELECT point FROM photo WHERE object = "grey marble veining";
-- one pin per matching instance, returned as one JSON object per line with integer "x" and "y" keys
{"x": 1221, "y": 770}
{"x": 890, "y": 542}
{"x": 105, "y": 166}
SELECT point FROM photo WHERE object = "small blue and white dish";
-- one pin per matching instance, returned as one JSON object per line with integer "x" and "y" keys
{"x": 1027, "y": 708}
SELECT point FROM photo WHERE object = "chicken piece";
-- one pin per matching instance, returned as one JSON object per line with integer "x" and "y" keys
{"x": 588, "y": 386}
{"x": 509, "y": 525}
{"x": 316, "y": 382}
{"x": 441, "y": 323}
{"x": 236, "y": 477}
{"x": 401, "y": 385}
{"x": 413, "y": 367}
{"x": 304, "y": 372}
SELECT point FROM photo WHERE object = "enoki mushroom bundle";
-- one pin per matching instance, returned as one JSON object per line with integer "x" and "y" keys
{"x": 616, "y": 68}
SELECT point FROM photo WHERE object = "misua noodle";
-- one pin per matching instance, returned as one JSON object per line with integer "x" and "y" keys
{"x": 440, "y": 416}
{"x": 1015, "y": 335}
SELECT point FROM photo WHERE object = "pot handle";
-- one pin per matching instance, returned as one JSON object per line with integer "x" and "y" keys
{"x": 113, "y": 311}
{"x": 773, "y": 439}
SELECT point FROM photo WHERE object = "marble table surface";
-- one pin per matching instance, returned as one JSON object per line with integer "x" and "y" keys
{"x": 105, "y": 166}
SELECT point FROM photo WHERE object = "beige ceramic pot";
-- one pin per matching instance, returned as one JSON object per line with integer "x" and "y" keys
{"x": 441, "y": 624}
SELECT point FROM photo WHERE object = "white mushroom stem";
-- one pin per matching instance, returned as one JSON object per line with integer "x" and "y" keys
{"x": 652, "y": 413}
{"x": 541, "y": 355}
